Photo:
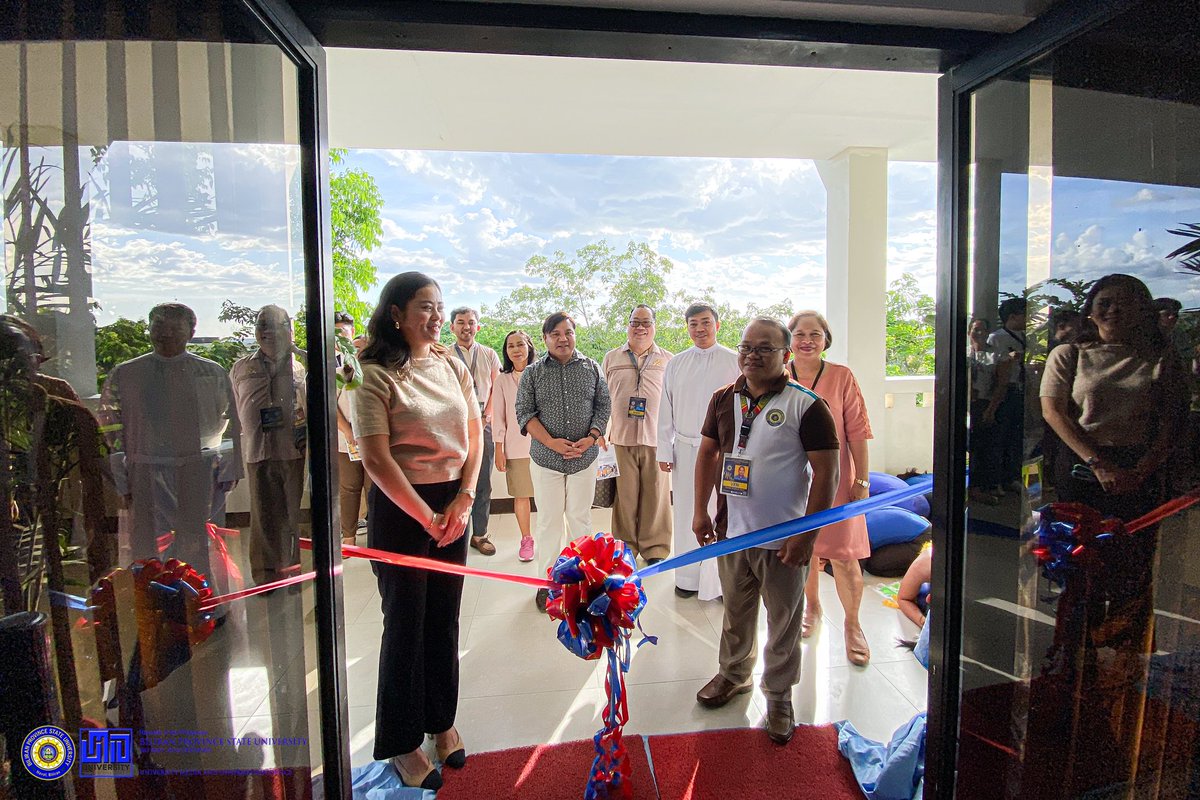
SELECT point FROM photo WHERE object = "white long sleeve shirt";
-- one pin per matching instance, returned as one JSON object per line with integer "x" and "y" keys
{"x": 691, "y": 378}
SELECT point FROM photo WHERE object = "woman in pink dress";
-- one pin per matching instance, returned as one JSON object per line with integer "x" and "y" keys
{"x": 512, "y": 446}
{"x": 843, "y": 543}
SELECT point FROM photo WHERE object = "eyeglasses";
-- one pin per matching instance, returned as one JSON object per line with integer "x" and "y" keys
{"x": 746, "y": 350}
{"x": 640, "y": 323}
{"x": 814, "y": 335}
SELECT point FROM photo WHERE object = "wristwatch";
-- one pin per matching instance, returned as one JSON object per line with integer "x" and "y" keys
{"x": 468, "y": 492}
{"x": 863, "y": 482}
{"x": 1093, "y": 461}
{"x": 595, "y": 436}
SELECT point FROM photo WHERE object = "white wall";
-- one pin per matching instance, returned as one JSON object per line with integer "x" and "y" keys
{"x": 908, "y": 438}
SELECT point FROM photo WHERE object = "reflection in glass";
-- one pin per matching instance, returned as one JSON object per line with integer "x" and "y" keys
{"x": 1080, "y": 681}
{"x": 151, "y": 204}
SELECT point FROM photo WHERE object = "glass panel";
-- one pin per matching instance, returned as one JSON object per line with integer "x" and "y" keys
{"x": 150, "y": 411}
{"x": 1079, "y": 673}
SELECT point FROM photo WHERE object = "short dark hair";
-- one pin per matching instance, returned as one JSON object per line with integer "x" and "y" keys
{"x": 1061, "y": 316}
{"x": 342, "y": 318}
{"x": 463, "y": 310}
{"x": 785, "y": 335}
{"x": 1013, "y": 305}
{"x": 1167, "y": 304}
{"x": 176, "y": 310}
{"x": 556, "y": 319}
{"x": 506, "y": 364}
{"x": 696, "y": 309}
{"x": 653, "y": 316}
{"x": 819, "y": 317}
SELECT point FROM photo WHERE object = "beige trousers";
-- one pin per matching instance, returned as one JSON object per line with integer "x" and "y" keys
{"x": 746, "y": 576}
{"x": 642, "y": 512}
{"x": 353, "y": 485}
{"x": 275, "y": 491}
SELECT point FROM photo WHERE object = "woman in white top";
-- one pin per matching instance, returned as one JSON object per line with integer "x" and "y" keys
{"x": 512, "y": 446}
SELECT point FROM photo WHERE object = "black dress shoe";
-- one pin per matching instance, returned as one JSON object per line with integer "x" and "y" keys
{"x": 540, "y": 599}
{"x": 720, "y": 691}
{"x": 685, "y": 592}
{"x": 781, "y": 721}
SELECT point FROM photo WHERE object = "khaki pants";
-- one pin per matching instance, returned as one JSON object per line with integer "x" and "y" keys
{"x": 275, "y": 490}
{"x": 353, "y": 484}
{"x": 746, "y": 576}
{"x": 642, "y": 513}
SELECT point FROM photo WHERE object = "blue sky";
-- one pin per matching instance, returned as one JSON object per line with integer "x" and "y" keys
{"x": 752, "y": 229}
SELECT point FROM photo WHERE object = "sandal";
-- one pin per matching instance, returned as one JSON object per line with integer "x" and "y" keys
{"x": 812, "y": 618}
{"x": 455, "y": 754}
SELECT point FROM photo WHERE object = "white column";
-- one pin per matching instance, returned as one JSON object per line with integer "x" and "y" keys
{"x": 856, "y": 274}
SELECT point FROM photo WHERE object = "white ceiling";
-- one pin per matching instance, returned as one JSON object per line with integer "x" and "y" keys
{"x": 503, "y": 103}
{"x": 1001, "y": 16}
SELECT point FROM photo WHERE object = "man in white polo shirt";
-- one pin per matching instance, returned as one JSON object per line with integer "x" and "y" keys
{"x": 770, "y": 448}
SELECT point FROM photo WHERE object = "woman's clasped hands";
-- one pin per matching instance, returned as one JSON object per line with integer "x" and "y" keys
{"x": 446, "y": 527}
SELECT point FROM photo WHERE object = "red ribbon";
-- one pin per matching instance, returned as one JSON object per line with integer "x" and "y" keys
{"x": 1186, "y": 500}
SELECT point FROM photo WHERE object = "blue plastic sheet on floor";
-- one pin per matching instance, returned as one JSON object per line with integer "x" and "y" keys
{"x": 378, "y": 781}
{"x": 892, "y": 772}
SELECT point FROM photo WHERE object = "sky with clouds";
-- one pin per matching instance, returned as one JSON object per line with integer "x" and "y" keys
{"x": 752, "y": 229}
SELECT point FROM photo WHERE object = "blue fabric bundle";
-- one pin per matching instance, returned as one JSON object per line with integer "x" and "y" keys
{"x": 892, "y": 772}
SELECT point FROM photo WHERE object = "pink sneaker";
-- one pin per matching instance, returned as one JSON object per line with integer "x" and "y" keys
{"x": 525, "y": 553}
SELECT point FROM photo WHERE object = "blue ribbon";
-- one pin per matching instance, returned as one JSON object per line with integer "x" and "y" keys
{"x": 785, "y": 529}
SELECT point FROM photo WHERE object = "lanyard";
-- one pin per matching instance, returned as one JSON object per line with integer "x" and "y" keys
{"x": 816, "y": 380}
{"x": 474, "y": 359}
{"x": 749, "y": 414}
{"x": 640, "y": 369}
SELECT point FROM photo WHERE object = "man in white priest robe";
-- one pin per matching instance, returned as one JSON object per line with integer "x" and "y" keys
{"x": 691, "y": 379}
{"x": 166, "y": 416}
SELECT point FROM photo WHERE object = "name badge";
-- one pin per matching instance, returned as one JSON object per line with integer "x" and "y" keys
{"x": 735, "y": 476}
{"x": 270, "y": 419}
{"x": 637, "y": 407}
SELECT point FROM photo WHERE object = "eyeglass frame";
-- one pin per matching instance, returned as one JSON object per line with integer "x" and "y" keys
{"x": 641, "y": 323}
{"x": 745, "y": 350}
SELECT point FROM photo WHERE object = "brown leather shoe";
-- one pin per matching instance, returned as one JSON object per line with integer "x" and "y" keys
{"x": 720, "y": 691}
{"x": 483, "y": 545}
{"x": 781, "y": 721}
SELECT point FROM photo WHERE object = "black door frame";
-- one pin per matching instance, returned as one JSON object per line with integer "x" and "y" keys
{"x": 1058, "y": 26}
{"x": 302, "y": 47}
{"x": 610, "y": 34}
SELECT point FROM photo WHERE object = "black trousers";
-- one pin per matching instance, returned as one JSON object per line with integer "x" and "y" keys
{"x": 418, "y": 660}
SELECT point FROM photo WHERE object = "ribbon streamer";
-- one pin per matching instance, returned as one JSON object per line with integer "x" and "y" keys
{"x": 785, "y": 529}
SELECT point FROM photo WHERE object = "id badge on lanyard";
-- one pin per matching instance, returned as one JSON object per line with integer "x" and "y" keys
{"x": 736, "y": 466}
{"x": 637, "y": 404}
{"x": 735, "y": 475}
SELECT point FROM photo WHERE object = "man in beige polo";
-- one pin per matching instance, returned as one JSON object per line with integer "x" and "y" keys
{"x": 269, "y": 389}
{"x": 635, "y": 372}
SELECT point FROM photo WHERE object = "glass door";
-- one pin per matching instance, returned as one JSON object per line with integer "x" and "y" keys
{"x": 1070, "y": 311}
{"x": 164, "y": 425}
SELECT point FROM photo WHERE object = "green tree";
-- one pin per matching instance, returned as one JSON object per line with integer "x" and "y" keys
{"x": 119, "y": 342}
{"x": 599, "y": 286}
{"x": 354, "y": 209}
{"x": 910, "y": 330}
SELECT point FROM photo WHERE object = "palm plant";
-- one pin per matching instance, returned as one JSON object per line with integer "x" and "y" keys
{"x": 1189, "y": 253}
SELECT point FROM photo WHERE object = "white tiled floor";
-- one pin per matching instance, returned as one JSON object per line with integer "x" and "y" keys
{"x": 519, "y": 686}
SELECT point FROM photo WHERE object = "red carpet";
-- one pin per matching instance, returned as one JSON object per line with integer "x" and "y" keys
{"x": 744, "y": 763}
{"x": 541, "y": 772}
{"x": 713, "y": 765}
